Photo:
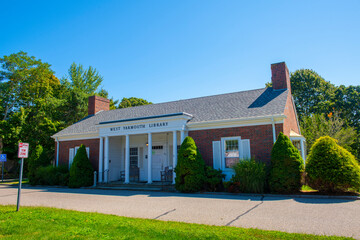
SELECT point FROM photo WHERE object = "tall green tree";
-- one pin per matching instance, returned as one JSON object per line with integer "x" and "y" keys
{"x": 79, "y": 85}
{"x": 312, "y": 94}
{"x": 133, "y": 102}
{"x": 320, "y": 125}
{"x": 27, "y": 87}
{"x": 86, "y": 80}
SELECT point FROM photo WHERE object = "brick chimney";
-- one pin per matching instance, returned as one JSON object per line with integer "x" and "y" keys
{"x": 97, "y": 104}
{"x": 280, "y": 77}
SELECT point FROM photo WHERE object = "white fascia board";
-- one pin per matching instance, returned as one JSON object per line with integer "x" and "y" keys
{"x": 78, "y": 137}
{"x": 240, "y": 122}
{"x": 298, "y": 138}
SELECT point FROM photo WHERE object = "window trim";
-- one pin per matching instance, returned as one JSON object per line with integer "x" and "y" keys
{"x": 137, "y": 155}
{"x": 223, "y": 149}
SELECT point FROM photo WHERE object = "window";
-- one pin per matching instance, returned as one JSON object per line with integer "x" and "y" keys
{"x": 157, "y": 147}
{"x": 72, "y": 154}
{"x": 297, "y": 144}
{"x": 231, "y": 151}
{"x": 134, "y": 157}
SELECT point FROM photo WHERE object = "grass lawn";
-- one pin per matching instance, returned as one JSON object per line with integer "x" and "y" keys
{"x": 306, "y": 188}
{"x": 13, "y": 182}
{"x": 51, "y": 223}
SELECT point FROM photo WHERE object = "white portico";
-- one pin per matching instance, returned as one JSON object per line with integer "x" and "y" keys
{"x": 148, "y": 144}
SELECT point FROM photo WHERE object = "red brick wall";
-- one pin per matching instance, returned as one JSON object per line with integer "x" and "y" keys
{"x": 97, "y": 104}
{"x": 261, "y": 140}
{"x": 280, "y": 76}
{"x": 290, "y": 123}
{"x": 93, "y": 144}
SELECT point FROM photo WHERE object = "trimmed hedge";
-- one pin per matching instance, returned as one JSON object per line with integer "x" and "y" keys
{"x": 250, "y": 177}
{"x": 286, "y": 166}
{"x": 190, "y": 168}
{"x": 331, "y": 168}
{"x": 81, "y": 171}
{"x": 51, "y": 175}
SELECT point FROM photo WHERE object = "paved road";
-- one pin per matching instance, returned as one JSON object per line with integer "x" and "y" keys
{"x": 301, "y": 215}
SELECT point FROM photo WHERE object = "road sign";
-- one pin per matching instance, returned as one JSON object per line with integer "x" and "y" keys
{"x": 2, "y": 157}
{"x": 23, "y": 150}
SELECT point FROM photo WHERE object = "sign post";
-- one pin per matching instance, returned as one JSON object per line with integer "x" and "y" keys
{"x": 22, "y": 153}
{"x": 3, "y": 160}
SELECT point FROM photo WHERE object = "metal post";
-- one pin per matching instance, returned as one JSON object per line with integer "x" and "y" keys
{"x": 20, "y": 181}
{"x": 95, "y": 174}
{"x": 2, "y": 171}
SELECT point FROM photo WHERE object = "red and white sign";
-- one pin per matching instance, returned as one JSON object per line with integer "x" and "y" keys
{"x": 23, "y": 150}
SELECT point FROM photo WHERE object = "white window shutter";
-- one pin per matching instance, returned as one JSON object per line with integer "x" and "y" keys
{"x": 246, "y": 148}
{"x": 88, "y": 152}
{"x": 71, "y": 156}
{"x": 216, "y": 154}
{"x": 76, "y": 149}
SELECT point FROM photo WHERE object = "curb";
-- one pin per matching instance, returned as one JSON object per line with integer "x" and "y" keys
{"x": 355, "y": 198}
{"x": 284, "y": 195}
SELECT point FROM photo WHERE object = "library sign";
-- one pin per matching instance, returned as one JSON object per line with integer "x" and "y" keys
{"x": 129, "y": 128}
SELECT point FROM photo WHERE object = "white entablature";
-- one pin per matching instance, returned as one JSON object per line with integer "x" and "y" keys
{"x": 154, "y": 124}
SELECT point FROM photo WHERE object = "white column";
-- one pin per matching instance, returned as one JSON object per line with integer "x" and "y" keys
{"x": 274, "y": 130}
{"x": 302, "y": 150}
{"x": 127, "y": 159}
{"x": 106, "y": 160}
{"x": 101, "y": 159}
{"x": 57, "y": 151}
{"x": 182, "y": 136}
{"x": 149, "y": 158}
{"x": 174, "y": 153}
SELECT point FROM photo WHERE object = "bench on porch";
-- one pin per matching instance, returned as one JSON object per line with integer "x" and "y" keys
{"x": 134, "y": 174}
{"x": 166, "y": 175}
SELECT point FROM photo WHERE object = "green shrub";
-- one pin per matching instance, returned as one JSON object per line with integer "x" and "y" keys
{"x": 213, "y": 181}
{"x": 190, "y": 168}
{"x": 51, "y": 175}
{"x": 62, "y": 175}
{"x": 46, "y": 175}
{"x": 286, "y": 167}
{"x": 81, "y": 171}
{"x": 250, "y": 177}
{"x": 39, "y": 158}
{"x": 332, "y": 168}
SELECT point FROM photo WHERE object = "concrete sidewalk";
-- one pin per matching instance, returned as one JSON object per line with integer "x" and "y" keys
{"x": 302, "y": 215}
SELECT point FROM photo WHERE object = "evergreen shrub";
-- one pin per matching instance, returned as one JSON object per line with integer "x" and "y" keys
{"x": 250, "y": 177}
{"x": 286, "y": 166}
{"x": 213, "y": 181}
{"x": 190, "y": 168}
{"x": 81, "y": 171}
{"x": 331, "y": 168}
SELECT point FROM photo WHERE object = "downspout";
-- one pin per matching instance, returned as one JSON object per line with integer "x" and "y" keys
{"x": 57, "y": 151}
{"x": 273, "y": 128}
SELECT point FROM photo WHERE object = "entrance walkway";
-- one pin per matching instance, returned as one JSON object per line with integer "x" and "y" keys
{"x": 302, "y": 215}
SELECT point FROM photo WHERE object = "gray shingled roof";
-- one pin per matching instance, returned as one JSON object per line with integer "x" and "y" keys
{"x": 245, "y": 104}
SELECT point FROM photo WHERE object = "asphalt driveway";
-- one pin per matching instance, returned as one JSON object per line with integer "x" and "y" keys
{"x": 302, "y": 215}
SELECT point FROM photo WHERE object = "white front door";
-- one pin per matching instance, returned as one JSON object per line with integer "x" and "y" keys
{"x": 158, "y": 161}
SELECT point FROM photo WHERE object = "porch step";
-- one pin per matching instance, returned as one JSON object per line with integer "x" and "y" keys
{"x": 138, "y": 186}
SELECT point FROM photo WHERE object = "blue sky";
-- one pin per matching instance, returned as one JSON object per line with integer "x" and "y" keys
{"x": 170, "y": 50}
